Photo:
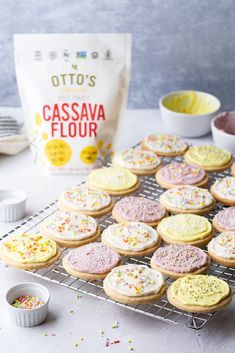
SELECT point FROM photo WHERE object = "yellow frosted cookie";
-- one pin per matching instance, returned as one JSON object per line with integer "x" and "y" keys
{"x": 185, "y": 229}
{"x": 114, "y": 180}
{"x": 209, "y": 157}
{"x": 29, "y": 251}
{"x": 199, "y": 293}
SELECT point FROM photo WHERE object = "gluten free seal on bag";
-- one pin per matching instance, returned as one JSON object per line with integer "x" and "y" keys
{"x": 73, "y": 89}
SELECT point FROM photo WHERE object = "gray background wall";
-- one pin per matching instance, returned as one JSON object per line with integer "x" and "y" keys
{"x": 177, "y": 44}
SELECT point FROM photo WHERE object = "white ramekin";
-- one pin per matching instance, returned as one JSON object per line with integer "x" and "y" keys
{"x": 27, "y": 317}
{"x": 12, "y": 204}
{"x": 221, "y": 138}
{"x": 187, "y": 125}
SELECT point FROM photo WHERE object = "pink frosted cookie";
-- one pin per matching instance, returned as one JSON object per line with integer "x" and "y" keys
{"x": 138, "y": 161}
{"x": 165, "y": 144}
{"x": 138, "y": 209}
{"x": 181, "y": 174}
{"x": 225, "y": 220}
{"x": 177, "y": 260}
{"x": 91, "y": 261}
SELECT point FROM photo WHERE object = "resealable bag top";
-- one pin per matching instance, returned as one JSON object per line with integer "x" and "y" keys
{"x": 73, "y": 88}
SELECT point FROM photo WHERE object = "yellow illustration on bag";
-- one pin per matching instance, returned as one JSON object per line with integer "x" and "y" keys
{"x": 73, "y": 89}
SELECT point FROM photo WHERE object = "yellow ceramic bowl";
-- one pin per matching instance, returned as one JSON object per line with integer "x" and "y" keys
{"x": 189, "y": 113}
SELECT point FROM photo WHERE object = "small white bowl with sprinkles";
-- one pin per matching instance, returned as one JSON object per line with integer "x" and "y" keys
{"x": 27, "y": 304}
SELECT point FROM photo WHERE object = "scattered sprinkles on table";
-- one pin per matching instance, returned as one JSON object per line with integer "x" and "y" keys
{"x": 28, "y": 302}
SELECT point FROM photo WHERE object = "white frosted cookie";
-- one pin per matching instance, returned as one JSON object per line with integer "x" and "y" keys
{"x": 70, "y": 229}
{"x": 224, "y": 190}
{"x": 222, "y": 249}
{"x": 187, "y": 199}
{"x": 131, "y": 238}
{"x": 134, "y": 284}
{"x": 138, "y": 161}
{"x": 85, "y": 200}
{"x": 165, "y": 144}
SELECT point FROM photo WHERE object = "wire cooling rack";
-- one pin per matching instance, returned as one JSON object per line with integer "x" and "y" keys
{"x": 162, "y": 310}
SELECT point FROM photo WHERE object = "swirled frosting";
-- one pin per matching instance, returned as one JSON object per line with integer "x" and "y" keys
{"x": 180, "y": 258}
{"x": 185, "y": 227}
{"x": 70, "y": 226}
{"x": 200, "y": 290}
{"x": 165, "y": 143}
{"x": 187, "y": 197}
{"x": 112, "y": 179}
{"x": 133, "y": 158}
{"x": 225, "y": 188}
{"x": 82, "y": 198}
{"x": 208, "y": 156}
{"x": 224, "y": 245}
{"x": 135, "y": 280}
{"x": 29, "y": 248}
{"x": 139, "y": 209}
{"x": 226, "y": 218}
{"x": 181, "y": 173}
{"x": 95, "y": 258}
{"x": 132, "y": 236}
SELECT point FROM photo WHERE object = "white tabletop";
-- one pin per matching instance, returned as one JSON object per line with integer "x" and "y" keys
{"x": 73, "y": 324}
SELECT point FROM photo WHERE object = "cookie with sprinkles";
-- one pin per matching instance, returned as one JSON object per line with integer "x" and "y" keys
{"x": 175, "y": 174}
{"x": 222, "y": 249}
{"x": 138, "y": 209}
{"x": 187, "y": 199}
{"x": 165, "y": 144}
{"x": 209, "y": 157}
{"x": 71, "y": 229}
{"x": 29, "y": 251}
{"x": 224, "y": 190}
{"x": 85, "y": 200}
{"x": 91, "y": 261}
{"x": 199, "y": 293}
{"x": 187, "y": 229}
{"x": 114, "y": 180}
{"x": 134, "y": 284}
{"x": 138, "y": 161}
{"x": 177, "y": 260}
{"x": 131, "y": 238}
{"x": 224, "y": 220}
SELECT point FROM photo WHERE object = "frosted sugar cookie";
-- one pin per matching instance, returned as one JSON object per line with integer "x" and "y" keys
{"x": 134, "y": 284}
{"x": 137, "y": 161}
{"x": 131, "y": 238}
{"x": 224, "y": 190}
{"x": 233, "y": 169}
{"x": 185, "y": 229}
{"x": 175, "y": 174}
{"x": 199, "y": 293}
{"x": 225, "y": 220}
{"x": 138, "y": 209}
{"x": 70, "y": 229}
{"x": 187, "y": 199}
{"x": 165, "y": 144}
{"x": 210, "y": 158}
{"x": 85, "y": 200}
{"x": 178, "y": 260}
{"x": 91, "y": 261}
{"x": 222, "y": 249}
{"x": 115, "y": 181}
{"x": 29, "y": 251}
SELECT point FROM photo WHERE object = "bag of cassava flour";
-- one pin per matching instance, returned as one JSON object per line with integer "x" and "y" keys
{"x": 73, "y": 89}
